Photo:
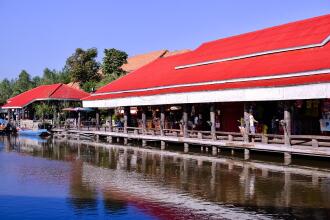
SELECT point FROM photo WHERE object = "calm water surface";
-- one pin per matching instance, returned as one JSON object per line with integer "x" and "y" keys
{"x": 48, "y": 179}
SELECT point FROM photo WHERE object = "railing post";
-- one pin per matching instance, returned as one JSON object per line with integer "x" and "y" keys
{"x": 287, "y": 123}
{"x": 264, "y": 139}
{"x": 212, "y": 120}
{"x": 315, "y": 143}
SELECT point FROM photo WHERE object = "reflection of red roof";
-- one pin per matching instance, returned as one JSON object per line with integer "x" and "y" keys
{"x": 292, "y": 54}
{"x": 45, "y": 92}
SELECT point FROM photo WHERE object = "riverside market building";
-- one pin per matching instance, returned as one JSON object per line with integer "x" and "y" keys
{"x": 279, "y": 73}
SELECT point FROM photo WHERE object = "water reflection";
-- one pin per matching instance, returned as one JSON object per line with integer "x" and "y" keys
{"x": 170, "y": 184}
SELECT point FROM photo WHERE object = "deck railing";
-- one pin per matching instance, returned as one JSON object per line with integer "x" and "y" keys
{"x": 304, "y": 140}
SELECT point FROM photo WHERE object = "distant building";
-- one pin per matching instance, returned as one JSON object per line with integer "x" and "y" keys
{"x": 137, "y": 61}
{"x": 21, "y": 106}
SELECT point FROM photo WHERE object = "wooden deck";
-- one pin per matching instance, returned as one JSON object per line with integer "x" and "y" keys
{"x": 317, "y": 146}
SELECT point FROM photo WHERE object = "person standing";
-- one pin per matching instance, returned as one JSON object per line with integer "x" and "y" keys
{"x": 252, "y": 122}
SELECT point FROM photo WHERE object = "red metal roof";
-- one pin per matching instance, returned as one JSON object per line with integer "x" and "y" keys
{"x": 45, "y": 92}
{"x": 162, "y": 73}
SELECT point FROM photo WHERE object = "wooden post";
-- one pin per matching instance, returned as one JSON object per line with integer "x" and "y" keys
{"x": 162, "y": 145}
{"x": 144, "y": 120}
{"x": 287, "y": 123}
{"x": 9, "y": 115}
{"x": 110, "y": 120}
{"x": 214, "y": 150}
{"x": 126, "y": 110}
{"x": 97, "y": 120}
{"x": 246, "y": 122}
{"x": 212, "y": 120}
{"x": 79, "y": 121}
{"x": 287, "y": 158}
{"x": 58, "y": 119}
{"x": 185, "y": 126}
{"x": 315, "y": 143}
{"x": 246, "y": 154}
{"x": 185, "y": 120}
{"x": 162, "y": 120}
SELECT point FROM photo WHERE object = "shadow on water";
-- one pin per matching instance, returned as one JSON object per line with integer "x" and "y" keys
{"x": 166, "y": 184}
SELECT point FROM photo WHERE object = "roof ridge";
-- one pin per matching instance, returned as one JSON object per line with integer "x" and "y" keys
{"x": 57, "y": 88}
{"x": 263, "y": 29}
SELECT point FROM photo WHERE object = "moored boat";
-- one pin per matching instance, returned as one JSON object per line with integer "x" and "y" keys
{"x": 39, "y": 132}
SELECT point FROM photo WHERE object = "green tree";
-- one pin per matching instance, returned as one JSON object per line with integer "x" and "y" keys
{"x": 49, "y": 77}
{"x": 83, "y": 67}
{"x": 64, "y": 76}
{"x": 23, "y": 83}
{"x": 42, "y": 109}
{"x": 112, "y": 62}
{"x": 5, "y": 91}
{"x": 37, "y": 81}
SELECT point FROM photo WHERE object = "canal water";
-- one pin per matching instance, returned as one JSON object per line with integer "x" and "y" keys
{"x": 51, "y": 179}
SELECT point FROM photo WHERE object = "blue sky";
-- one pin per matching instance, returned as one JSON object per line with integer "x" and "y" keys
{"x": 36, "y": 34}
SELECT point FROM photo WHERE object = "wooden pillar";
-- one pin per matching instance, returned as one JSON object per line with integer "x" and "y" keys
{"x": 126, "y": 112}
{"x": 58, "y": 119}
{"x": 214, "y": 150}
{"x": 246, "y": 154}
{"x": 162, "y": 120}
{"x": 212, "y": 120}
{"x": 246, "y": 122}
{"x": 186, "y": 147}
{"x": 110, "y": 119}
{"x": 162, "y": 145}
{"x": 185, "y": 126}
{"x": 79, "y": 121}
{"x": 287, "y": 158}
{"x": 97, "y": 120}
{"x": 9, "y": 115}
{"x": 287, "y": 123}
{"x": 185, "y": 120}
{"x": 144, "y": 120}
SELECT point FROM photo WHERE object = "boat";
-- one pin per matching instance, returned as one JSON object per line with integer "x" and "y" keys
{"x": 39, "y": 132}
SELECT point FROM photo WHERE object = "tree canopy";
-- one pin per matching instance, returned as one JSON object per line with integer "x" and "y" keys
{"x": 112, "y": 62}
{"x": 6, "y": 90}
{"x": 80, "y": 67}
{"x": 23, "y": 83}
{"x": 83, "y": 67}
